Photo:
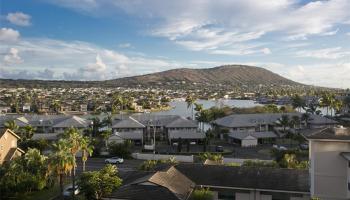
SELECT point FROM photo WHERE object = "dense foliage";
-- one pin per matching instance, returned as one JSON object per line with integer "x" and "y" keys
{"x": 98, "y": 184}
{"x": 25, "y": 174}
{"x": 120, "y": 150}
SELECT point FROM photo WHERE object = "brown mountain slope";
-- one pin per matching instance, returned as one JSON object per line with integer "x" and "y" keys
{"x": 228, "y": 74}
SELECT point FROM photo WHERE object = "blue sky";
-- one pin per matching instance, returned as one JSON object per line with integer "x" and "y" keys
{"x": 306, "y": 41}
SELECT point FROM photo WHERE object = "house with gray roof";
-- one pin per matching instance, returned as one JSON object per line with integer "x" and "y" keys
{"x": 252, "y": 129}
{"x": 143, "y": 127}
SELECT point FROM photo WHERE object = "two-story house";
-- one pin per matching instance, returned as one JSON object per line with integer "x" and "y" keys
{"x": 253, "y": 129}
{"x": 8, "y": 146}
{"x": 329, "y": 152}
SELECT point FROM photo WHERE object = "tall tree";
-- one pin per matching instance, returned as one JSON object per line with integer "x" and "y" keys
{"x": 283, "y": 122}
{"x": 190, "y": 102}
{"x": 11, "y": 125}
{"x": 61, "y": 162}
{"x": 75, "y": 138}
{"x": 298, "y": 102}
{"x": 28, "y": 131}
{"x": 87, "y": 149}
{"x": 105, "y": 136}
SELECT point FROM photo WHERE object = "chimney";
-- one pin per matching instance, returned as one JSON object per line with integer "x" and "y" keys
{"x": 341, "y": 131}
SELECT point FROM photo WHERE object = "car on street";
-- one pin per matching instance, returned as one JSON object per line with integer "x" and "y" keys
{"x": 304, "y": 146}
{"x": 219, "y": 149}
{"x": 281, "y": 148}
{"x": 68, "y": 191}
{"x": 114, "y": 160}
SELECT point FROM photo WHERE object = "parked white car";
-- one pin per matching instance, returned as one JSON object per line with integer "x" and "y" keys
{"x": 67, "y": 192}
{"x": 114, "y": 160}
{"x": 281, "y": 148}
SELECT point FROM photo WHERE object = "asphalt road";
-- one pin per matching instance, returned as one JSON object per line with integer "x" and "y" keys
{"x": 94, "y": 164}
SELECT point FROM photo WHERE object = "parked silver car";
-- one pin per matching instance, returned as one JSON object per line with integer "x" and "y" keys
{"x": 68, "y": 191}
{"x": 114, "y": 160}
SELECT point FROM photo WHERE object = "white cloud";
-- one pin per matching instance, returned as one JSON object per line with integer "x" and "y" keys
{"x": 19, "y": 19}
{"x": 12, "y": 57}
{"x": 125, "y": 45}
{"x": 9, "y": 35}
{"x": 331, "y": 32}
{"x": 98, "y": 66}
{"x": 320, "y": 74}
{"x": 219, "y": 26}
{"x": 327, "y": 53}
{"x": 266, "y": 51}
{"x": 74, "y": 60}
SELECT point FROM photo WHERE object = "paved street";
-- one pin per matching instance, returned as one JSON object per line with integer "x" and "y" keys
{"x": 93, "y": 164}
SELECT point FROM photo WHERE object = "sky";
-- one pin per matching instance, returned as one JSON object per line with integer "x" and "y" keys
{"x": 303, "y": 40}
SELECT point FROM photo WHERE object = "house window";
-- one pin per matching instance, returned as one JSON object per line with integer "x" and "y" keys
{"x": 226, "y": 195}
{"x": 349, "y": 164}
{"x": 349, "y": 186}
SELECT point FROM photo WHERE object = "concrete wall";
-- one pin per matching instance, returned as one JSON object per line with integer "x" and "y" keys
{"x": 329, "y": 170}
{"x": 145, "y": 156}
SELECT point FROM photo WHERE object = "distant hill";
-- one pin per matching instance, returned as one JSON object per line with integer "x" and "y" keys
{"x": 228, "y": 75}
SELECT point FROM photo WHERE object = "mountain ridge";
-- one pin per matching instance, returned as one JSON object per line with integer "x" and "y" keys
{"x": 228, "y": 75}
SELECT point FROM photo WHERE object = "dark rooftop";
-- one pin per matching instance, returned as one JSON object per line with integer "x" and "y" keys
{"x": 143, "y": 192}
{"x": 327, "y": 134}
{"x": 247, "y": 177}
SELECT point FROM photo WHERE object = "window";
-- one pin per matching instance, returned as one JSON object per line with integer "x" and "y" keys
{"x": 349, "y": 186}
{"x": 226, "y": 195}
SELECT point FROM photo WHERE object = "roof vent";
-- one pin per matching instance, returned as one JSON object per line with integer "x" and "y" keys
{"x": 340, "y": 130}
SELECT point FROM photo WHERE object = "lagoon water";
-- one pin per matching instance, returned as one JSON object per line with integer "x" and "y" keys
{"x": 180, "y": 107}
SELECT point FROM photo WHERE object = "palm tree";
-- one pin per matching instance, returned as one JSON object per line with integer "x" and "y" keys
{"x": 11, "y": 125}
{"x": 105, "y": 135}
{"x": 190, "y": 102}
{"x": 28, "y": 131}
{"x": 61, "y": 162}
{"x": 346, "y": 102}
{"x": 87, "y": 149}
{"x": 199, "y": 108}
{"x": 283, "y": 122}
{"x": 295, "y": 121}
{"x": 336, "y": 106}
{"x": 298, "y": 102}
{"x": 326, "y": 101}
{"x": 74, "y": 137}
{"x": 306, "y": 119}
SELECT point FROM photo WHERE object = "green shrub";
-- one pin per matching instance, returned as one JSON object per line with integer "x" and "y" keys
{"x": 121, "y": 150}
{"x": 202, "y": 194}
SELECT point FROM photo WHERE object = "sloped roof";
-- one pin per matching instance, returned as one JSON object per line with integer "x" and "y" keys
{"x": 250, "y": 120}
{"x": 129, "y": 122}
{"x": 158, "y": 120}
{"x": 182, "y": 122}
{"x": 73, "y": 121}
{"x": 175, "y": 181}
{"x": 325, "y": 134}
{"x": 257, "y": 135}
{"x": 247, "y": 177}
{"x": 127, "y": 135}
{"x": 186, "y": 134}
{"x": 143, "y": 192}
{"x": 9, "y": 131}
